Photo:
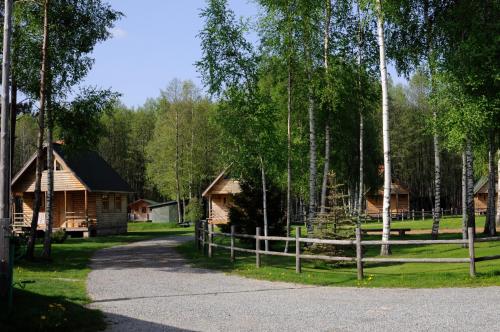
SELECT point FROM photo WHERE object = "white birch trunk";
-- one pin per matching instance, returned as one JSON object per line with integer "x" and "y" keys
{"x": 437, "y": 185}
{"x": 264, "y": 203}
{"x": 386, "y": 210}
{"x": 326, "y": 168}
{"x": 49, "y": 215}
{"x": 289, "y": 155}
{"x": 361, "y": 122}
{"x": 489, "y": 227}
{"x": 177, "y": 161}
{"x": 471, "y": 218}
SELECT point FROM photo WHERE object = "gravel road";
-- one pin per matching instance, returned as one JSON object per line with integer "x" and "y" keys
{"x": 147, "y": 286}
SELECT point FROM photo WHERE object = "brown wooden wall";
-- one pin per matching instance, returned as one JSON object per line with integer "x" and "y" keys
{"x": 374, "y": 204}
{"x": 63, "y": 180}
{"x": 114, "y": 219}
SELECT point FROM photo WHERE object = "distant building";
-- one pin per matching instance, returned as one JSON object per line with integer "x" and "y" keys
{"x": 89, "y": 196}
{"x": 164, "y": 212}
{"x": 481, "y": 195}
{"x": 140, "y": 210}
{"x": 400, "y": 201}
{"x": 220, "y": 195}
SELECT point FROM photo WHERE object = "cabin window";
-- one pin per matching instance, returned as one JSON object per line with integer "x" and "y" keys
{"x": 143, "y": 210}
{"x": 118, "y": 203}
{"x": 105, "y": 203}
{"x": 58, "y": 166}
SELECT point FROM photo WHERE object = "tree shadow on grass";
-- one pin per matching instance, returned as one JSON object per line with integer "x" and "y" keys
{"x": 35, "y": 312}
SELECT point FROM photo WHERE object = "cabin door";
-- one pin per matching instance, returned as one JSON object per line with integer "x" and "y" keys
{"x": 59, "y": 209}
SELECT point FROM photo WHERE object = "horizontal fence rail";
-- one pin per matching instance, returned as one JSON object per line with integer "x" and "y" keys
{"x": 204, "y": 238}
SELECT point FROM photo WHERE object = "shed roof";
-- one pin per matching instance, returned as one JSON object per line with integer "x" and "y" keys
{"x": 89, "y": 167}
{"x": 158, "y": 205}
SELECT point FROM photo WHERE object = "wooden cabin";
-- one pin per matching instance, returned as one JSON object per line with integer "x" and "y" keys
{"x": 220, "y": 194}
{"x": 140, "y": 210}
{"x": 481, "y": 195}
{"x": 90, "y": 198}
{"x": 400, "y": 201}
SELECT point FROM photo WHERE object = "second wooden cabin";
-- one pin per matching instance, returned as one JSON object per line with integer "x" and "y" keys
{"x": 400, "y": 201}
{"x": 220, "y": 195}
{"x": 481, "y": 195}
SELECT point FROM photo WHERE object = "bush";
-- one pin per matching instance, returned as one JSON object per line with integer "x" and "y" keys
{"x": 194, "y": 210}
{"x": 247, "y": 213}
{"x": 59, "y": 236}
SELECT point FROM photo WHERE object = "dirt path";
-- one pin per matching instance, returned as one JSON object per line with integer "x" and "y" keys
{"x": 147, "y": 286}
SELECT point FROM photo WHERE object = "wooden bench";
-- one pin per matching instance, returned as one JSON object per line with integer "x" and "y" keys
{"x": 400, "y": 231}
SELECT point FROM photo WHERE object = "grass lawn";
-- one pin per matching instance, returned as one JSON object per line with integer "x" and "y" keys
{"x": 51, "y": 296}
{"x": 411, "y": 275}
{"x": 418, "y": 224}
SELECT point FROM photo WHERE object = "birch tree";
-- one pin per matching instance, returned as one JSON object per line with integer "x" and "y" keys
{"x": 386, "y": 214}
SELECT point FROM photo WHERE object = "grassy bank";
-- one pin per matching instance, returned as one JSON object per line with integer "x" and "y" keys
{"x": 51, "y": 296}
{"x": 411, "y": 275}
{"x": 446, "y": 223}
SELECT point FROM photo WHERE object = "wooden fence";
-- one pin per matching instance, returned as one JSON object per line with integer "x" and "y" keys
{"x": 204, "y": 236}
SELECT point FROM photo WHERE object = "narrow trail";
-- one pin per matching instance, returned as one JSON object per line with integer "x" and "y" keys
{"x": 148, "y": 286}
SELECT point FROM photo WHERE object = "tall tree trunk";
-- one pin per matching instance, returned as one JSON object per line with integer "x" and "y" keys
{"x": 326, "y": 169}
{"x": 5, "y": 261}
{"x": 386, "y": 216}
{"x": 497, "y": 218}
{"x": 41, "y": 129}
{"x": 312, "y": 158}
{"x": 361, "y": 120}
{"x": 177, "y": 161}
{"x": 49, "y": 206}
{"x": 471, "y": 218}
{"x": 289, "y": 154}
{"x": 437, "y": 185}
{"x": 264, "y": 202}
{"x": 489, "y": 226}
{"x": 13, "y": 121}
{"x": 464, "y": 194}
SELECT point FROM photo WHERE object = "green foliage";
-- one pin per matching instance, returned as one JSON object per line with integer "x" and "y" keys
{"x": 59, "y": 236}
{"x": 197, "y": 139}
{"x": 194, "y": 210}
{"x": 247, "y": 213}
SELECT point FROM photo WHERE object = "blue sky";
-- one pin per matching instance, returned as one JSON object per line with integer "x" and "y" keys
{"x": 152, "y": 44}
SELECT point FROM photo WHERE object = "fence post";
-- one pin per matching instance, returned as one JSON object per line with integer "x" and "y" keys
{"x": 232, "y": 243}
{"x": 210, "y": 239}
{"x": 298, "y": 267}
{"x": 359, "y": 253}
{"x": 423, "y": 214}
{"x": 257, "y": 247}
{"x": 472, "y": 268}
{"x": 413, "y": 215}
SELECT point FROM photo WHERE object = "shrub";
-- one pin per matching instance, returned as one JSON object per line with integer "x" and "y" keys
{"x": 59, "y": 236}
{"x": 247, "y": 213}
{"x": 194, "y": 210}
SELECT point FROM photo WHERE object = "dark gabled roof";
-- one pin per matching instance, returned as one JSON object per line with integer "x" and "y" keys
{"x": 89, "y": 167}
{"x": 162, "y": 204}
{"x": 93, "y": 170}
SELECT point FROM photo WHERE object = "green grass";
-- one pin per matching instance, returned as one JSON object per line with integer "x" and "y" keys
{"x": 418, "y": 224}
{"x": 410, "y": 275}
{"x": 51, "y": 296}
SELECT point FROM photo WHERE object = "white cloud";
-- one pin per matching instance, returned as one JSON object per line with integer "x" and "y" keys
{"x": 118, "y": 33}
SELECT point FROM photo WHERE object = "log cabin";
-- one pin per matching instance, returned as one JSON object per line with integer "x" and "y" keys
{"x": 400, "y": 201}
{"x": 481, "y": 195}
{"x": 140, "y": 210}
{"x": 220, "y": 195}
{"x": 90, "y": 198}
